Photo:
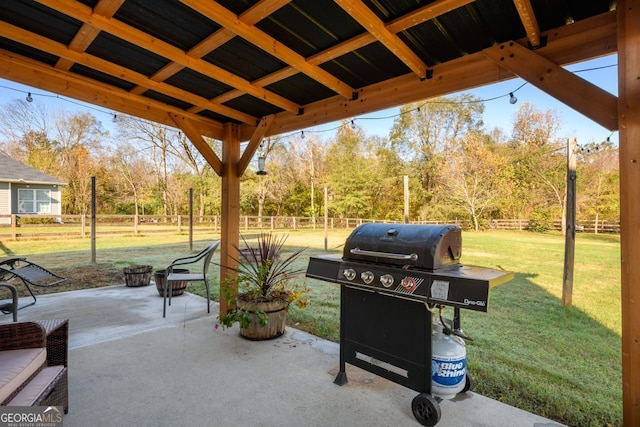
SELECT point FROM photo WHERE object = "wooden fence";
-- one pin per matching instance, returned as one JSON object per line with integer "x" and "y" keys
{"x": 78, "y": 226}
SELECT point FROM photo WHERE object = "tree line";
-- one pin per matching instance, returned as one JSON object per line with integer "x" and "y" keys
{"x": 457, "y": 168}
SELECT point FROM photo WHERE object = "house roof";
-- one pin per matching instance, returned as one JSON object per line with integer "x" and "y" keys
{"x": 14, "y": 171}
{"x": 200, "y": 64}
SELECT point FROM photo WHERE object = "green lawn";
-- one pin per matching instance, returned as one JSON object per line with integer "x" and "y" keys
{"x": 528, "y": 351}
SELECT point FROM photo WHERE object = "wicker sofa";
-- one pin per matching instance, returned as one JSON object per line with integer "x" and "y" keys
{"x": 25, "y": 377}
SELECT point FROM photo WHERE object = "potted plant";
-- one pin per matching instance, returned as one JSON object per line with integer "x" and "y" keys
{"x": 264, "y": 288}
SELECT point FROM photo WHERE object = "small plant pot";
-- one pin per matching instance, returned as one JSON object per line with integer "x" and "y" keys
{"x": 276, "y": 312}
{"x": 137, "y": 275}
{"x": 178, "y": 288}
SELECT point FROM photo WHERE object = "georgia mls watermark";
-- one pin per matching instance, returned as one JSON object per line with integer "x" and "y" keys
{"x": 31, "y": 416}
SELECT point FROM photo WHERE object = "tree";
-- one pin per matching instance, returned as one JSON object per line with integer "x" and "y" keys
{"x": 352, "y": 172}
{"x": 598, "y": 182}
{"x": 423, "y": 133}
{"x": 473, "y": 174}
{"x": 540, "y": 161}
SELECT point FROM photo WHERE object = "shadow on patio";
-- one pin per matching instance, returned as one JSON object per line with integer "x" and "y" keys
{"x": 129, "y": 366}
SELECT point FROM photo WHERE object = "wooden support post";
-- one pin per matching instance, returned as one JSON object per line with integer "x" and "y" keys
{"x": 230, "y": 222}
{"x": 628, "y": 16}
{"x": 570, "y": 226}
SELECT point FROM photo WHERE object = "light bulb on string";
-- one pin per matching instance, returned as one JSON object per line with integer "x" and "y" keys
{"x": 512, "y": 98}
{"x": 29, "y": 97}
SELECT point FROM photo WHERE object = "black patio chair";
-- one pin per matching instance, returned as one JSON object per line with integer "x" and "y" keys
{"x": 18, "y": 269}
{"x": 10, "y": 307}
{"x": 204, "y": 257}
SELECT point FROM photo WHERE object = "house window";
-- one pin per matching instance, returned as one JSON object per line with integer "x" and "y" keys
{"x": 34, "y": 201}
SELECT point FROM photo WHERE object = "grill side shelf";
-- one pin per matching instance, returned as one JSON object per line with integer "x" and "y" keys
{"x": 324, "y": 268}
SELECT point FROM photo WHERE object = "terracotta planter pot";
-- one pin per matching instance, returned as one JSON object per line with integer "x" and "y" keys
{"x": 276, "y": 312}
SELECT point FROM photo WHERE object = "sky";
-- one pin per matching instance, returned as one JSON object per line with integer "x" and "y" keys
{"x": 498, "y": 112}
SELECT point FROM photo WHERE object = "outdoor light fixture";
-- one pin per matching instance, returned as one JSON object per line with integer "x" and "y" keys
{"x": 512, "y": 98}
{"x": 29, "y": 97}
{"x": 261, "y": 161}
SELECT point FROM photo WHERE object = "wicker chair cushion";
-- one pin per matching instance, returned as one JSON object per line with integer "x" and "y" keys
{"x": 17, "y": 366}
{"x": 36, "y": 387}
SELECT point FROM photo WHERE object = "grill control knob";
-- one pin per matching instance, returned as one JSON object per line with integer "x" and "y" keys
{"x": 349, "y": 273}
{"x": 386, "y": 280}
{"x": 367, "y": 277}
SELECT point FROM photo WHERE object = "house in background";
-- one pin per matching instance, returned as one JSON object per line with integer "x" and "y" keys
{"x": 25, "y": 190}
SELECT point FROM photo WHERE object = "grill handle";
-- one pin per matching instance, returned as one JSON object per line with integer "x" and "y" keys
{"x": 407, "y": 257}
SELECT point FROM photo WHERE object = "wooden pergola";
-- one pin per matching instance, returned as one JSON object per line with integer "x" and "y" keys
{"x": 242, "y": 70}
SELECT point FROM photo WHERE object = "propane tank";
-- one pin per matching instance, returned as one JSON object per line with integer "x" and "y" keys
{"x": 448, "y": 362}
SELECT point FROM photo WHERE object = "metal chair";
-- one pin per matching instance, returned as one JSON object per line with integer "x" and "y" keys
{"x": 29, "y": 273}
{"x": 205, "y": 258}
{"x": 10, "y": 307}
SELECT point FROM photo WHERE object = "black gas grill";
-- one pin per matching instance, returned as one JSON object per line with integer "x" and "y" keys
{"x": 392, "y": 277}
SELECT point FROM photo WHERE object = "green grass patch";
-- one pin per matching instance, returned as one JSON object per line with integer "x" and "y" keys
{"x": 528, "y": 350}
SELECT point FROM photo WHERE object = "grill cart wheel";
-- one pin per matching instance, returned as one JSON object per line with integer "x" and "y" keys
{"x": 468, "y": 383}
{"x": 426, "y": 409}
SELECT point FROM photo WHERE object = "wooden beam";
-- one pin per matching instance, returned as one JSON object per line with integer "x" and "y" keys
{"x": 579, "y": 94}
{"x": 255, "y": 14}
{"x": 87, "y": 33}
{"x": 191, "y": 131}
{"x": 261, "y": 10}
{"x": 582, "y": 40}
{"x": 628, "y": 14}
{"x": 253, "y": 35}
{"x": 18, "y": 34}
{"x": 573, "y": 43}
{"x": 254, "y": 143}
{"x": 230, "y": 212}
{"x": 365, "y": 17}
{"x": 210, "y": 43}
{"x": 139, "y": 38}
{"x": 424, "y": 14}
{"x": 528, "y": 18}
{"x": 33, "y": 73}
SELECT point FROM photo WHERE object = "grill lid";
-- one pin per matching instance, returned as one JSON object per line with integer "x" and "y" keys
{"x": 428, "y": 247}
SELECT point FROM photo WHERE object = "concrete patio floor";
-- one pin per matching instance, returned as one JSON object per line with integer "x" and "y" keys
{"x": 128, "y": 366}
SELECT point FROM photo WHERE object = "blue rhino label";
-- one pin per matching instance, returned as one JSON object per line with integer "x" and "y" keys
{"x": 449, "y": 372}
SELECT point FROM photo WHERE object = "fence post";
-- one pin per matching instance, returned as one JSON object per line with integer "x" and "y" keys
{"x": 83, "y": 225}
{"x": 272, "y": 224}
{"x": 14, "y": 225}
{"x": 135, "y": 224}
{"x": 179, "y": 223}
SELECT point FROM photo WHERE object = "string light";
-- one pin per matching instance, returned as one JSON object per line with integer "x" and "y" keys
{"x": 512, "y": 100}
